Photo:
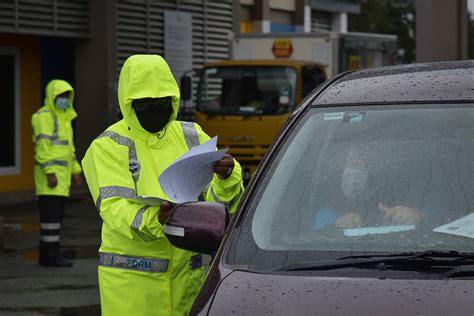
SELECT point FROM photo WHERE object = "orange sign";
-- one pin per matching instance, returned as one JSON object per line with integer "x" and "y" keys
{"x": 282, "y": 48}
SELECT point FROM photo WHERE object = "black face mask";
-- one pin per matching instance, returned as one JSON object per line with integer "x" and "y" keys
{"x": 153, "y": 114}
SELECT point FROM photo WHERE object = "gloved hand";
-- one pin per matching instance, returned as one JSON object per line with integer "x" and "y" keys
{"x": 223, "y": 168}
{"x": 164, "y": 213}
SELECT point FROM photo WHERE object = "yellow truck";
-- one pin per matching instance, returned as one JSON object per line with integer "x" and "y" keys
{"x": 246, "y": 102}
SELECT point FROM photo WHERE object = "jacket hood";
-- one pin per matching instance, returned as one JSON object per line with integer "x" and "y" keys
{"x": 145, "y": 76}
{"x": 53, "y": 89}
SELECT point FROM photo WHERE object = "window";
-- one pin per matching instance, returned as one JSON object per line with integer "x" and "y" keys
{"x": 9, "y": 120}
{"x": 370, "y": 163}
{"x": 248, "y": 90}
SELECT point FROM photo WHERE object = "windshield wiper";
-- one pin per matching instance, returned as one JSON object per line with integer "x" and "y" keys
{"x": 460, "y": 271}
{"x": 429, "y": 257}
{"x": 424, "y": 254}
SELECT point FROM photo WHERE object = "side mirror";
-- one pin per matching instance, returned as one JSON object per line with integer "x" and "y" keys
{"x": 197, "y": 226}
{"x": 186, "y": 87}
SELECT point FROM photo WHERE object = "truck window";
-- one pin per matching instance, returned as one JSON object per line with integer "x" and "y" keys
{"x": 247, "y": 90}
{"x": 312, "y": 77}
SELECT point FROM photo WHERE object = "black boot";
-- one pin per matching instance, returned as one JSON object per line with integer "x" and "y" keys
{"x": 49, "y": 256}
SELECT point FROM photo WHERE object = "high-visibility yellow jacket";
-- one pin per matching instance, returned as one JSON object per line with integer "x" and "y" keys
{"x": 53, "y": 139}
{"x": 140, "y": 272}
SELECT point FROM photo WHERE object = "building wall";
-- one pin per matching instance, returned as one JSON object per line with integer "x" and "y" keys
{"x": 441, "y": 30}
{"x": 96, "y": 76}
{"x": 30, "y": 99}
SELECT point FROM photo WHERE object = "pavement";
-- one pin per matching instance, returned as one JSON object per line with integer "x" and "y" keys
{"x": 27, "y": 289}
{"x": 30, "y": 290}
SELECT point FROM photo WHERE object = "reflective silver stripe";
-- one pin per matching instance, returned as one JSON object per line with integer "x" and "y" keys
{"x": 53, "y": 163}
{"x": 190, "y": 134}
{"x": 113, "y": 191}
{"x": 133, "y": 163}
{"x": 56, "y": 127}
{"x": 43, "y": 136}
{"x": 75, "y": 158}
{"x": 50, "y": 238}
{"x": 53, "y": 140}
{"x": 59, "y": 142}
{"x": 55, "y": 137}
{"x": 137, "y": 222}
{"x": 132, "y": 263}
{"x": 42, "y": 111}
{"x": 50, "y": 226}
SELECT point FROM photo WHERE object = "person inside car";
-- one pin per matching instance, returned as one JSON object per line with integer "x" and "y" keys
{"x": 360, "y": 206}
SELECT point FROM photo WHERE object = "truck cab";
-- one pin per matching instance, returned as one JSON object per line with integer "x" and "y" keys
{"x": 246, "y": 102}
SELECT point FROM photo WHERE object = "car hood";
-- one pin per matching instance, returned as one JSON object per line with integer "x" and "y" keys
{"x": 243, "y": 293}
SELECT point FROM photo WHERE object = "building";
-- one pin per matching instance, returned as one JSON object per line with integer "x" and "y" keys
{"x": 441, "y": 30}
{"x": 86, "y": 42}
{"x": 265, "y": 16}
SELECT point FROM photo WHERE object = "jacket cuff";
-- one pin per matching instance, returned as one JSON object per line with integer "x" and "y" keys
{"x": 151, "y": 222}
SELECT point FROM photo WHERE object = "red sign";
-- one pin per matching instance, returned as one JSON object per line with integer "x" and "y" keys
{"x": 282, "y": 48}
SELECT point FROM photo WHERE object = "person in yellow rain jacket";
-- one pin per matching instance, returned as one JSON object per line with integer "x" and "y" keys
{"x": 140, "y": 272}
{"x": 56, "y": 164}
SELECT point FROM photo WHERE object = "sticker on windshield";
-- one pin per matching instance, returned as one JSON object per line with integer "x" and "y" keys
{"x": 461, "y": 227}
{"x": 364, "y": 231}
{"x": 353, "y": 117}
{"x": 333, "y": 116}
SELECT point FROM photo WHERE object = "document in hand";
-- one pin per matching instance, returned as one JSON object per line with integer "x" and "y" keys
{"x": 188, "y": 176}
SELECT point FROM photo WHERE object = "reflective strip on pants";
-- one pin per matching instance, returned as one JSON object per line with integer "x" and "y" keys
{"x": 50, "y": 238}
{"x": 50, "y": 226}
{"x": 132, "y": 263}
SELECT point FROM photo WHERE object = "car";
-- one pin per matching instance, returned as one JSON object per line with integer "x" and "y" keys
{"x": 364, "y": 204}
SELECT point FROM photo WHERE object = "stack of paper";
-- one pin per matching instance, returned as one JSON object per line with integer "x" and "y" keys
{"x": 188, "y": 176}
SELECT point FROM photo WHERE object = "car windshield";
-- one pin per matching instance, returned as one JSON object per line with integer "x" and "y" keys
{"x": 364, "y": 180}
{"x": 247, "y": 90}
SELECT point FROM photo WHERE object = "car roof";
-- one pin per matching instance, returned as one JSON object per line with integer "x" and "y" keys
{"x": 428, "y": 82}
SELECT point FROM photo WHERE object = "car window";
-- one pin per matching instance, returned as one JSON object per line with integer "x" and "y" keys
{"x": 366, "y": 179}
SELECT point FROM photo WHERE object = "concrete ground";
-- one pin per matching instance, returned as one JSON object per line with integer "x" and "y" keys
{"x": 27, "y": 289}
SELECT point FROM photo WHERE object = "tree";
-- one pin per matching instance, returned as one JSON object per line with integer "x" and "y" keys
{"x": 388, "y": 17}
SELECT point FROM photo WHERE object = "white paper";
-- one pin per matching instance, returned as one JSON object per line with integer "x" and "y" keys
{"x": 189, "y": 175}
{"x": 363, "y": 231}
{"x": 461, "y": 227}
